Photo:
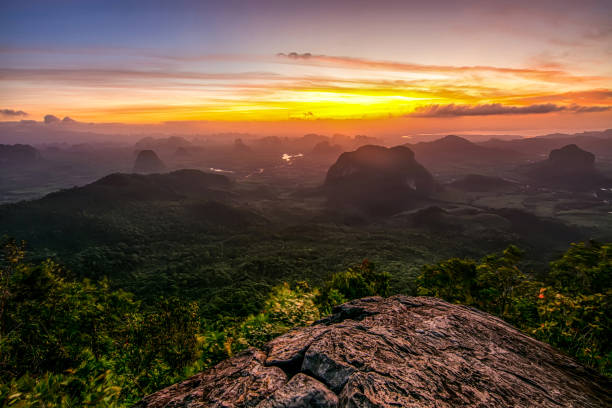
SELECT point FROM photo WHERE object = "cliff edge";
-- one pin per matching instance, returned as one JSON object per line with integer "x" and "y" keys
{"x": 395, "y": 352}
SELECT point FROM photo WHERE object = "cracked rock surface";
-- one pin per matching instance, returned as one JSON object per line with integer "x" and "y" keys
{"x": 395, "y": 352}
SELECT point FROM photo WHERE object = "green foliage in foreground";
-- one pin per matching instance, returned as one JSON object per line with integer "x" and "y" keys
{"x": 66, "y": 342}
{"x": 571, "y": 309}
{"x": 71, "y": 343}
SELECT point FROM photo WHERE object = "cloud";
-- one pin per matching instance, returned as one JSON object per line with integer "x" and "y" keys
{"x": 12, "y": 113}
{"x": 452, "y": 110}
{"x": 538, "y": 74}
{"x": 587, "y": 109}
{"x": 51, "y": 119}
{"x": 586, "y": 97}
{"x": 295, "y": 55}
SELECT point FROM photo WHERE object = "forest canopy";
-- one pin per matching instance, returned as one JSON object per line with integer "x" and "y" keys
{"x": 74, "y": 342}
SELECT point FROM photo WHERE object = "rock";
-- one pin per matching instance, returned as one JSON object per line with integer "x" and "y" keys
{"x": 147, "y": 161}
{"x": 568, "y": 168}
{"x": 301, "y": 391}
{"x": 573, "y": 157}
{"x": 377, "y": 180}
{"x": 395, "y": 352}
{"x": 242, "y": 381}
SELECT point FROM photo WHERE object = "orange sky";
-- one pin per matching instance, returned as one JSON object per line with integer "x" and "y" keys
{"x": 508, "y": 67}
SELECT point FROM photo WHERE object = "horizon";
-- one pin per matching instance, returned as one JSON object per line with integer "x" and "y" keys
{"x": 387, "y": 70}
{"x": 270, "y": 203}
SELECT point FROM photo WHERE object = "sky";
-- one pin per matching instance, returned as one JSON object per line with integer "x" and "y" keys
{"x": 377, "y": 66}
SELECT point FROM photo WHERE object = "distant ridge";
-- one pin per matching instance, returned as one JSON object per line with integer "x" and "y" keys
{"x": 18, "y": 154}
{"x": 460, "y": 150}
{"x": 118, "y": 188}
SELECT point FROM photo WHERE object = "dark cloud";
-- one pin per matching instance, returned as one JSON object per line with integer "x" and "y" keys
{"x": 586, "y": 109}
{"x": 295, "y": 55}
{"x": 51, "y": 119}
{"x": 452, "y": 110}
{"x": 68, "y": 119}
{"x": 12, "y": 112}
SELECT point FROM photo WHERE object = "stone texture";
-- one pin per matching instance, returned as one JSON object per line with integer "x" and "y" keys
{"x": 396, "y": 352}
{"x": 241, "y": 381}
{"x": 301, "y": 391}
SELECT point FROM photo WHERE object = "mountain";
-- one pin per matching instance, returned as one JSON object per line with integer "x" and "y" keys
{"x": 120, "y": 206}
{"x": 18, "y": 154}
{"x": 167, "y": 143}
{"x": 395, "y": 352}
{"x": 599, "y": 143}
{"x": 605, "y": 134}
{"x": 325, "y": 148}
{"x": 241, "y": 148}
{"x": 569, "y": 168}
{"x": 147, "y": 161}
{"x": 119, "y": 187}
{"x": 377, "y": 179}
{"x": 455, "y": 149}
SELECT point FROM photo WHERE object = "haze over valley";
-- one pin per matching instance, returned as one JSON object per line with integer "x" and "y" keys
{"x": 340, "y": 204}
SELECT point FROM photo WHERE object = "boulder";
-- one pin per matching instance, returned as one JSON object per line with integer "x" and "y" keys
{"x": 395, "y": 352}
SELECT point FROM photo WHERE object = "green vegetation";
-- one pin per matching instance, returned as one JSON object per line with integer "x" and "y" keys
{"x": 67, "y": 341}
{"x": 571, "y": 308}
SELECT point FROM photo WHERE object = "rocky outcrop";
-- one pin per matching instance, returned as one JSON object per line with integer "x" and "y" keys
{"x": 569, "y": 168}
{"x": 147, "y": 161}
{"x": 377, "y": 179}
{"x": 571, "y": 157}
{"x": 395, "y": 352}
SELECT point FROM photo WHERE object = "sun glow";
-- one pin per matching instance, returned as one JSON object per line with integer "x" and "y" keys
{"x": 321, "y": 88}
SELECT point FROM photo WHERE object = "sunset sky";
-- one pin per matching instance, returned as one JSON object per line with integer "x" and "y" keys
{"x": 392, "y": 65}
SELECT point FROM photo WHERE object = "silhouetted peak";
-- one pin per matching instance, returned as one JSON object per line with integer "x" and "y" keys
{"x": 455, "y": 140}
{"x": 377, "y": 179}
{"x": 572, "y": 155}
{"x": 147, "y": 161}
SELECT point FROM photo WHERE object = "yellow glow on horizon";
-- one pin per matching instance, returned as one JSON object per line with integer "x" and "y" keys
{"x": 345, "y": 91}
